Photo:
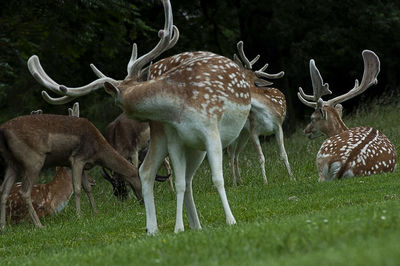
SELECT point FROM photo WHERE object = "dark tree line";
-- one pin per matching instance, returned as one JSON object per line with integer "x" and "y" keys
{"x": 69, "y": 35}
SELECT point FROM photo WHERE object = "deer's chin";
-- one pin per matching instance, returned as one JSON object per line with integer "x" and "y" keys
{"x": 313, "y": 135}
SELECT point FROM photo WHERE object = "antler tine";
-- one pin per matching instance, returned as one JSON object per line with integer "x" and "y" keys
{"x": 56, "y": 101}
{"x": 97, "y": 72}
{"x": 237, "y": 60}
{"x": 371, "y": 71}
{"x": 168, "y": 38}
{"x": 38, "y": 73}
{"x": 304, "y": 101}
{"x": 261, "y": 74}
{"x": 319, "y": 87}
{"x": 243, "y": 57}
{"x": 174, "y": 39}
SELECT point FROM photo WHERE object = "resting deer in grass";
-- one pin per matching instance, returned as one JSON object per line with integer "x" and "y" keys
{"x": 47, "y": 199}
{"x": 129, "y": 137}
{"x": 347, "y": 152}
{"x": 267, "y": 113}
{"x": 199, "y": 106}
{"x": 30, "y": 143}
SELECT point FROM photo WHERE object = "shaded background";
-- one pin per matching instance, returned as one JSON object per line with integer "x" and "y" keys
{"x": 69, "y": 35}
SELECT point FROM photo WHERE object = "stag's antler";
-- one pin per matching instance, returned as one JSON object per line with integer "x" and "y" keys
{"x": 319, "y": 87}
{"x": 169, "y": 36}
{"x": 246, "y": 63}
{"x": 371, "y": 71}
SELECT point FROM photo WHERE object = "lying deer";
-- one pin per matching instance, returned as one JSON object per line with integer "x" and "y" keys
{"x": 129, "y": 137}
{"x": 347, "y": 152}
{"x": 199, "y": 106}
{"x": 30, "y": 143}
{"x": 267, "y": 113}
{"x": 47, "y": 199}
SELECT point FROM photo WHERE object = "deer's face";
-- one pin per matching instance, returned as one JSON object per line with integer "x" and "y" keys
{"x": 323, "y": 121}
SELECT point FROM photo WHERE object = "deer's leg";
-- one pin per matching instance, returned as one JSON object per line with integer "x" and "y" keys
{"x": 284, "y": 157}
{"x": 240, "y": 144}
{"x": 77, "y": 170}
{"x": 167, "y": 166}
{"x": 261, "y": 159}
{"x": 31, "y": 177}
{"x": 178, "y": 158}
{"x": 148, "y": 170}
{"x": 196, "y": 158}
{"x": 9, "y": 180}
{"x": 88, "y": 189}
{"x": 214, "y": 154}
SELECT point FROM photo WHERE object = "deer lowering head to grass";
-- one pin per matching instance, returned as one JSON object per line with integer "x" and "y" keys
{"x": 347, "y": 152}
{"x": 50, "y": 198}
{"x": 30, "y": 143}
{"x": 267, "y": 113}
{"x": 129, "y": 137}
{"x": 196, "y": 107}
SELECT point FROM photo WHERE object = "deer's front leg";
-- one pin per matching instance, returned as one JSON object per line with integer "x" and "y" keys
{"x": 77, "y": 170}
{"x": 88, "y": 189}
{"x": 31, "y": 176}
{"x": 148, "y": 170}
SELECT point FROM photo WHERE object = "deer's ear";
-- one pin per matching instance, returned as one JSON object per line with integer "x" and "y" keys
{"x": 111, "y": 89}
{"x": 324, "y": 113}
{"x": 339, "y": 109}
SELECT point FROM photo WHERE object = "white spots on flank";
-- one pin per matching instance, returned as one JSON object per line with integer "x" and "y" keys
{"x": 365, "y": 151}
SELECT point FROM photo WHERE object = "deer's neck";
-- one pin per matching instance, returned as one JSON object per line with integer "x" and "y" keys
{"x": 337, "y": 126}
{"x": 111, "y": 159}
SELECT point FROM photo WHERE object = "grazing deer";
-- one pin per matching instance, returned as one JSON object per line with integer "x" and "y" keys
{"x": 129, "y": 137}
{"x": 50, "y": 198}
{"x": 199, "y": 106}
{"x": 47, "y": 199}
{"x": 267, "y": 113}
{"x": 30, "y": 143}
{"x": 347, "y": 152}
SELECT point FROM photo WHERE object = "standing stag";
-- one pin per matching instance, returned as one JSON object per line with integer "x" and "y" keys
{"x": 268, "y": 110}
{"x": 347, "y": 152}
{"x": 30, "y": 143}
{"x": 129, "y": 137}
{"x": 199, "y": 106}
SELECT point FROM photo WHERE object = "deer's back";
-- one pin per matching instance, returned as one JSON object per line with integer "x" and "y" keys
{"x": 54, "y": 136}
{"x": 356, "y": 152}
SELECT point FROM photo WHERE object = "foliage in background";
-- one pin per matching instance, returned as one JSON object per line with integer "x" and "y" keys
{"x": 69, "y": 35}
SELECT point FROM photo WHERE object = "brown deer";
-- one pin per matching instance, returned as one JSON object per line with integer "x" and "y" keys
{"x": 47, "y": 199}
{"x": 129, "y": 137}
{"x": 30, "y": 143}
{"x": 267, "y": 113}
{"x": 347, "y": 152}
{"x": 199, "y": 106}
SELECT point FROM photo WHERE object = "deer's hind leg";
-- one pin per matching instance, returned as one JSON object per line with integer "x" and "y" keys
{"x": 9, "y": 180}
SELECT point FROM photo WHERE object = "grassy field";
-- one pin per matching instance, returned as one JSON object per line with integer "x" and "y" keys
{"x": 348, "y": 222}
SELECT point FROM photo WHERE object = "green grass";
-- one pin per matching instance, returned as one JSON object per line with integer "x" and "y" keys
{"x": 349, "y": 222}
